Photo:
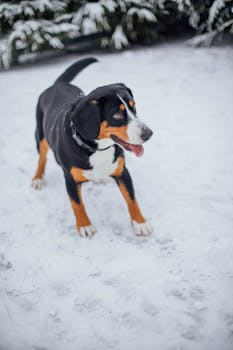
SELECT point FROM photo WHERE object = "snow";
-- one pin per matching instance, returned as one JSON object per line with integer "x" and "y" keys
{"x": 169, "y": 291}
{"x": 214, "y": 10}
{"x": 119, "y": 38}
{"x": 142, "y": 14}
{"x": 89, "y": 16}
{"x": 202, "y": 39}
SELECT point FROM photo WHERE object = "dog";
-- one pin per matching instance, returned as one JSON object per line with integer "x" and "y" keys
{"x": 88, "y": 135}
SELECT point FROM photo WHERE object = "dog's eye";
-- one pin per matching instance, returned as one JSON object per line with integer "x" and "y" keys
{"x": 117, "y": 116}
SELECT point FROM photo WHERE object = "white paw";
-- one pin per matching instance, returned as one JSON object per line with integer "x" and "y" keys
{"x": 142, "y": 229}
{"x": 37, "y": 183}
{"x": 87, "y": 231}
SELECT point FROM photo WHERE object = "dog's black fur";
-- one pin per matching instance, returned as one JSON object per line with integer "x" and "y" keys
{"x": 70, "y": 123}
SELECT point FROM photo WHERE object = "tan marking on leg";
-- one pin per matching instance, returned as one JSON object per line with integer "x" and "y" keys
{"x": 80, "y": 211}
{"x": 119, "y": 170}
{"x": 132, "y": 204}
{"x": 77, "y": 174}
{"x": 43, "y": 150}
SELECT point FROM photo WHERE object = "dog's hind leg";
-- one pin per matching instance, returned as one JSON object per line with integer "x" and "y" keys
{"x": 85, "y": 229}
{"x": 125, "y": 185}
{"x": 42, "y": 147}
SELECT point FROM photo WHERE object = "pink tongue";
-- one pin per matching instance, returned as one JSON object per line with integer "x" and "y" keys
{"x": 137, "y": 150}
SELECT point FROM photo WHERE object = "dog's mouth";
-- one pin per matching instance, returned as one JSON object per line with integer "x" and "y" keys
{"x": 138, "y": 150}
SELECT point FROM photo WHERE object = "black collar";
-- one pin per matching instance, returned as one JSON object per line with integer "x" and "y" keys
{"x": 84, "y": 145}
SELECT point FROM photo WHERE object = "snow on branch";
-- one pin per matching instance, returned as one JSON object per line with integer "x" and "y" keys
{"x": 35, "y": 25}
{"x": 34, "y": 35}
{"x": 202, "y": 39}
{"x": 214, "y": 11}
{"x": 143, "y": 14}
{"x": 91, "y": 18}
{"x": 119, "y": 39}
{"x": 29, "y": 9}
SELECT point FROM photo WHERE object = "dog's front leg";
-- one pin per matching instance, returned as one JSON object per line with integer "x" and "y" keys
{"x": 83, "y": 223}
{"x": 124, "y": 182}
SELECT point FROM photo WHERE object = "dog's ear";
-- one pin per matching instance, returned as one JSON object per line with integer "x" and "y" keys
{"x": 86, "y": 118}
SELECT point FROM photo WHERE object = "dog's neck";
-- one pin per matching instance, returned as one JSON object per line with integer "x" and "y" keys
{"x": 104, "y": 144}
{"x": 90, "y": 146}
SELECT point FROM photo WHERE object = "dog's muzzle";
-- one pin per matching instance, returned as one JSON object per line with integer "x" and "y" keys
{"x": 146, "y": 133}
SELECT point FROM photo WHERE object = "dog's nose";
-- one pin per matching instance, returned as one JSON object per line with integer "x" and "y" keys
{"x": 146, "y": 134}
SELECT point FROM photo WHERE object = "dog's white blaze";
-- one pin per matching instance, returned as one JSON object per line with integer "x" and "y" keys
{"x": 131, "y": 115}
{"x": 103, "y": 166}
{"x": 134, "y": 131}
{"x": 135, "y": 125}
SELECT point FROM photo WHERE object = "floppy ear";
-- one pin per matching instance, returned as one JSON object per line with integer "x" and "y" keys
{"x": 86, "y": 118}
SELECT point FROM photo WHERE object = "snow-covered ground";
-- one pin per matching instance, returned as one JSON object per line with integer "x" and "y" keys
{"x": 171, "y": 291}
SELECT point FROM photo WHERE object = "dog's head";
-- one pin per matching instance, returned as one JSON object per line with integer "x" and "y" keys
{"x": 109, "y": 112}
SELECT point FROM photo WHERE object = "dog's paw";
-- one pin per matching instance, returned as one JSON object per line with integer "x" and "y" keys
{"x": 87, "y": 231}
{"x": 37, "y": 183}
{"x": 142, "y": 229}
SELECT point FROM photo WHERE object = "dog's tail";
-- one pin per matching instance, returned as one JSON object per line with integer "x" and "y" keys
{"x": 74, "y": 69}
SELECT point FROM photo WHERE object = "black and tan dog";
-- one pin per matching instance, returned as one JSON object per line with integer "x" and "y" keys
{"x": 87, "y": 135}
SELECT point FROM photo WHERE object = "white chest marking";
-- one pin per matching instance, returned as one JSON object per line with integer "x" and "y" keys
{"x": 102, "y": 165}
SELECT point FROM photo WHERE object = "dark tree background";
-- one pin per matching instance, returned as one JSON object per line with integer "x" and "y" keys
{"x": 42, "y": 25}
